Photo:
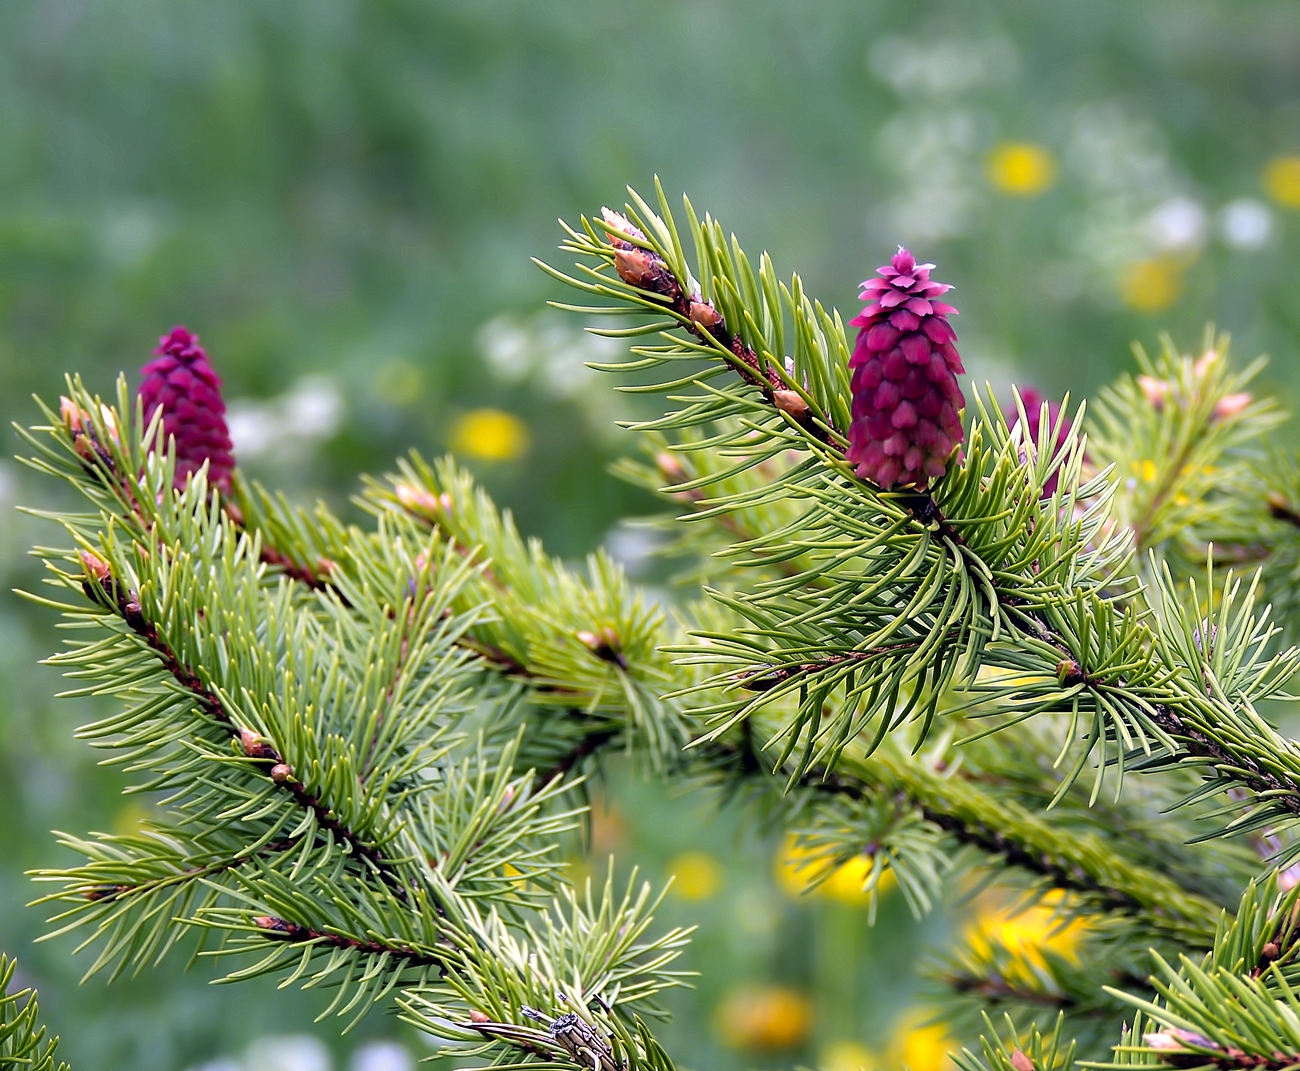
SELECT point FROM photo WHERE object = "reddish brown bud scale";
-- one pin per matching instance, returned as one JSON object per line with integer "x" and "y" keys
{"x": 671, "y": 468}
{"x": 256, "y": 746}
{"x": 274, "y": 924}
{"x": 633, "y": 266}
{"x": 906, "y": 416}
{"x": 704, "y": 316}
{"x": 789, "y": 401}
{"x": 72, "y": 414}
{"x": 95, "y": 566}
{"x": 180, "y": 381}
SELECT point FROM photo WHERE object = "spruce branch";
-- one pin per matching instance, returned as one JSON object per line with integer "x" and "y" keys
{"x": 1181, "y": 438}
{"x": 959, "y": 809}
{"x": 1039, "y": 1052}
{"x": 101, "y": 587}
{"x": 24, "y": 1042}
{"x": 584, "y": 646}
{"x": 1000, "y": 577}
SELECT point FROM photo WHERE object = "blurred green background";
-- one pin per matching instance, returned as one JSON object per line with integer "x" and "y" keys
{"x": 342, "y": 196}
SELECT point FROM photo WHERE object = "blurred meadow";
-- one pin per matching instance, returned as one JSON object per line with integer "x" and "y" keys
{"x": 342, "y": 197}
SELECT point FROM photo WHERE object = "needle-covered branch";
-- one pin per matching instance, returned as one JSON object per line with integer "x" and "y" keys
{"x": 24, "y": 1042}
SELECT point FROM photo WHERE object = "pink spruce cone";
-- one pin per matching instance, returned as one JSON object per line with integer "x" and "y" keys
{"x": 906, "y": 401}
{"x": 1060, "y": 425}
{"x": 182, "y": 382}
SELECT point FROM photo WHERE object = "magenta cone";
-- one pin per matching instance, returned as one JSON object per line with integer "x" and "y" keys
{"x": 1032, "y": 400}
{"x": 906, "y": 401}
{"x": 182, "y": 382}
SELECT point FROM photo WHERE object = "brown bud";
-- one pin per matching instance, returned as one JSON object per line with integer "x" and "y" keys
{"x": 604, "y": 645}
{"x": 256, "y": 746}
{"x": 104, "y": 892}
{"x": 1230, "y": 405}
{"x": 476, "y": 1016}
{"x": 1069, "y": 672}
{"x": 1020, "y": 1061}
{"x": 789, "y": 401}
{"x": 634, "y": 266}
{"x": 1270, "y": 952}
{"x": 281, "y": 772}
{"x": 620, "y": 226}
{"x": 95, "y": 566}
{"x": 670, "y": 467}
{"x": 71, "y": 413}
{"x": 83, "y": 446}
{"x": 703, "y": 315}
{"x": 273, "y": 923}
{"x": 326, "y": 566}
{"x": 417, "y": 500}
{"x": 1156, "y": 390}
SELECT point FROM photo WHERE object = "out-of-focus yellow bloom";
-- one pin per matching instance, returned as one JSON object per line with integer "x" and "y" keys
{"x": 847, "y": 1056}
{"x": 489, "y": 434}
{"x": 793, "y": 869}
{"x": 1027, "y": 934}
{"x": 398, "y": 381}
{"x": 797, "y": 870}
{"x": 1151, "y": 285}
{"x": 1021, "y": 169}
{"x": 697, "y": 875}
{"x": 847, "y": 882}
{"x": 765, "y": 1018}
{"x": 1282, "y": 180}
{"x": 921, "y": 1048}
{"x": 1146, "y": 469}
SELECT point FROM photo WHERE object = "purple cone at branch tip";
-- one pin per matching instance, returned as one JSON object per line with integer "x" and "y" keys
{"x": 182, "y": 382}
{"x": 906, "y": 401}
{"x": 1032, "y": 400}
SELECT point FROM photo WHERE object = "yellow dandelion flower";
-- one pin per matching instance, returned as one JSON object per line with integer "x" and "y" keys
{"x": 1281, "y": 180}
{"x": 795, "y": 870}
{"x": 490, "y": 435}
{"x": 848, "y": 881}
{"x": 1027, "y": 934}
{"x": 764, "y": 1018}
{"x": 798, "y": 870}
{"x": 697, "y": 875}
{"x": 1151, "y": 285}
{"x": 1021, "y": 169}
{"x": 921, "y": 1048}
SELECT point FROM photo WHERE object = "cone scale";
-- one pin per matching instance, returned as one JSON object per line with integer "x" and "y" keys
{"x": 906, "y": 400}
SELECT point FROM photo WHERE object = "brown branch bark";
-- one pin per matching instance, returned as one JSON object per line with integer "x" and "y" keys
{"x": 106, "y": 590}
{"x": 277, "y": 928}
